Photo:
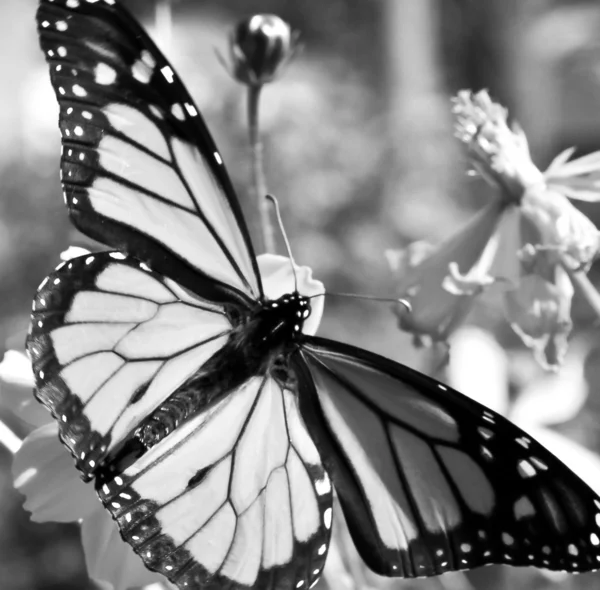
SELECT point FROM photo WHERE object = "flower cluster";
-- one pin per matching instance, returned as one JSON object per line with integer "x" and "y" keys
{"x": 530, "y": 241}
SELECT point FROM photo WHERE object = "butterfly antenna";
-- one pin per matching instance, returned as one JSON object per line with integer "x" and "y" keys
{"x": 285, "y": 238}
{"x": 399, "y": 300}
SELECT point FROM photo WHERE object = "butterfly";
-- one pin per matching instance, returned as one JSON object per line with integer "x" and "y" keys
{"x": 212, "y": 421}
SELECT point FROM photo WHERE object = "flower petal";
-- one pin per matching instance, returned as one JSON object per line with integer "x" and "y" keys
{"x": 16, "y": 389}
{"x": 561, "y": 168}
{"x": 43, "y": 471}
{"x": 540, "y": 313}
{"x": 435, "y": 310}
{"x": 558, "y": 162}
{"x": 278, "y": 279}
{"x": 108, "y": 557}
{"x": 561, "y": 225}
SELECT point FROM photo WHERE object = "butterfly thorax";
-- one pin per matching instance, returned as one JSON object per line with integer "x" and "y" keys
{"x": 262, "y": 337}
{"x": 278, "y": 323}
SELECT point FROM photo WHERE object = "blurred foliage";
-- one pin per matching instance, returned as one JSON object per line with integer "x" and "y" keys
{"x": 354, "y": 173}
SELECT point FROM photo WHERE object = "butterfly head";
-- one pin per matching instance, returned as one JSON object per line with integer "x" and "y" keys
{"x": 282, "y": 319}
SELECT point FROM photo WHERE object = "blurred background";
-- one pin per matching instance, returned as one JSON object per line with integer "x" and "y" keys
{"x": 361, "y": 155}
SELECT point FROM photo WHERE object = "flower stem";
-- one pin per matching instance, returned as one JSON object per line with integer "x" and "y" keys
{"x": 583, "y": 284}
{"x": 259, "y": 183}
{"x": 163, "y": 21}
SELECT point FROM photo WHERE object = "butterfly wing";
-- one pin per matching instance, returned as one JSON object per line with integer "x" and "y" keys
{"x": 140, "y": 171}
{"x": 431, "y": 481}
{"x": 110, "y": 341}
{"x": 235, "y": 498}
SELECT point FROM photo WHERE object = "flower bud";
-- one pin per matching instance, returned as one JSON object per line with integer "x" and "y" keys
{"x": 260, "y": 47}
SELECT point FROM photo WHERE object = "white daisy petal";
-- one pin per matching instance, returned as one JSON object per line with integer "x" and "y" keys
{"x": 16, "y": 389}
{"x": 108, "y": 557}
{"x": 44, "y": 473}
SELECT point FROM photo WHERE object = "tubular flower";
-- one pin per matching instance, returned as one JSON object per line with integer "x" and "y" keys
{"x": 441, "y": 283}
{"x": 260, "y": 47}
{"x": 531, "y": 240}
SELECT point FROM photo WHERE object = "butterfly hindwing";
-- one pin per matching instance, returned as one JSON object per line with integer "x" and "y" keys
{"x": 235, "y": 498}
{"x": 140, "y": 171}
{"x": 431, "y": 481}
{"x": 110, "y": 340}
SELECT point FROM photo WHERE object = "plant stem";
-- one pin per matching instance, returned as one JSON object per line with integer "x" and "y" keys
{"x": 163, "y": 21}
{"x": 259, "y": 184}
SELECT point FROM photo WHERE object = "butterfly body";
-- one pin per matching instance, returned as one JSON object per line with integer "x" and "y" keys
{"x": 187, "y": 381}
{"x": 260, "y": 342}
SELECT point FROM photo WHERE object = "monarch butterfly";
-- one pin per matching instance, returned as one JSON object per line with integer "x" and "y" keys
{"x": 197, "y": 399}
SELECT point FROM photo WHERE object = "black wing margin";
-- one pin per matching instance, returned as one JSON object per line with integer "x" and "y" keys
{"x": 431, "y": 481}
{"x": 140, "y": 170}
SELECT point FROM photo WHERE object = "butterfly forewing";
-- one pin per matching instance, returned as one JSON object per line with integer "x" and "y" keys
{"x": 110, "y": 341}
{"x": 234, "y": 498}
{"x": 140, "y": 171}
{"x": 430, "y": 481}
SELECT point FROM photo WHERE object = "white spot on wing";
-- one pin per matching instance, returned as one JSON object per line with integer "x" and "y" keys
{"x": 62, "y": 51}
{"x": 61, "y": 25}
{"x": 105, "y": 74}
{"x": 486, "y": 433}
{"x": 167, "y": 72}
{"x": 141, "y": 71}
{"x": 156, "y": 111}
{"x": 177, "y": 112}
{"x": 327, "y": 518}
{"x": 79, "y": 90}
{"x": 526, "y": 469}
{"x": 322, "y": 486}
{"x": 218, "y": 158}
{"x": 191, "y": 109}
